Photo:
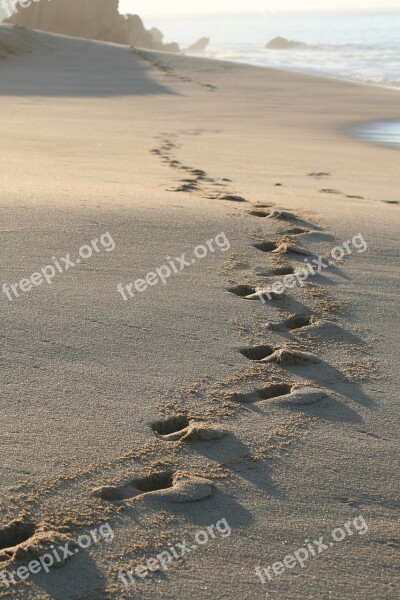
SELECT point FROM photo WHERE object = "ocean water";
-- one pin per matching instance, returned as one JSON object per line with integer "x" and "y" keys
{"x": 362, "y": 47}
{"x": 386, "y": 133}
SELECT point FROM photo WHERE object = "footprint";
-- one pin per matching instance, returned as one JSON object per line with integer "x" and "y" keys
{"x": 319, "y": 175}
{"x": 174, "y": 487}
{"x": 356, "y": 197}
{"x": 274, "y": 390}
{"x": 296, "y": 231}
{"x": 283, "y": 271}
{"x": 181, "y": 429}
{"x": 391, "y": 201}
{"x": 198, "y": 172}
{"x": 242, "y": 290}
{"x": 266, "y": 246}
{"x": 293, "y": 322}
{"x": 349, "y": 501}
{"x": 187, "y": 187}
{"x": 281, "y": 214}
{"x": 257, "y": 352}
{"x": 154, "y": 483}
{"x": 330, "y": 191}
{"x": 14, "y": 534}
{"x": 258, "y": 213}
{"x": 171, "y": 427}
{"x": 303, "y": 396}
{"x": 21, "y": 540}
{"x": 234, "y": 198}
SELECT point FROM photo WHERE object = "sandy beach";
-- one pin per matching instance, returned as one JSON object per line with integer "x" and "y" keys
{"x": 149, "y": 203}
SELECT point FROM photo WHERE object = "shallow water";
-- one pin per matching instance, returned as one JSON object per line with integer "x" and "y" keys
{"x": 363, "y": 47}
{"x": 381, "y": 132}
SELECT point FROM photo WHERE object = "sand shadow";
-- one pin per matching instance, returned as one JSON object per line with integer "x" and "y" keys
{"x": 72, "y": 67}
{"x": 73, "y": 580}
{"x": 238, "y": 453}
{"x": 329, "y": 409}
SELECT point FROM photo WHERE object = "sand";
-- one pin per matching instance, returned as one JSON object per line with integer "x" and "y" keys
{"x": 144, "y": 412}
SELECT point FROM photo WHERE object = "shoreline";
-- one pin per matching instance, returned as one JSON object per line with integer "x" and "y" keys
{"x": 300, "y": 71}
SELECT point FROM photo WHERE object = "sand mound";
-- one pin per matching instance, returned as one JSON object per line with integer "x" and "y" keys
{"x": 292, "y": 357}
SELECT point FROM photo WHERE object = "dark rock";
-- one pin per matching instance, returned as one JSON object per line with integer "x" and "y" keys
{"x": 280, "y": 43}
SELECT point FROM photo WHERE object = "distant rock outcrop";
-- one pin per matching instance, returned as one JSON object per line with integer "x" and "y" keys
{"x": 157, "y": 35}
{"x": 201, "y": 44}
{"x": 91, "y": 19}
{"x": 280, "y": 43}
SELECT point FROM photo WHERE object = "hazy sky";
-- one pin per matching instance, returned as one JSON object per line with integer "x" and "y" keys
{"x": 164, "y": 7}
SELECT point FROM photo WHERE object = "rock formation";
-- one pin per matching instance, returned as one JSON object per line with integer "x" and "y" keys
{"x": 91, "y": 19}
{"x": 201, "y": 44}
{"x": 280, "y": 43}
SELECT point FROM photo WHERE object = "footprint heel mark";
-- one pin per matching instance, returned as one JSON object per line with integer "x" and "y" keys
{"x": 282, "y": 248}
{"x": 274, "y": 390}
{"x": 297, "y": 231}
{"x": 112, "y": 493}
{"x": 283, "y": 270}
{"x": 293, "y": 322}
{"x": 155, "y": 482}
{"x": 242, "y": 290}
{"x": 172, "y": 486}
{"x": 266, "y": 246}
{"x": 234, "y": 198}
{"x": 258, "y": 213}
{"x": 23, "y": 540}
{"x": 282, "y": 215}
{"x": 257, "y": 353}
{"x": 330, "y": 191}
{"x": 14, "y": 534}
{"x": 181, "y": 429}
{"x": 319, "y": 174}
{"x": 171, "y": 429}
{"x": 186, "y": 187}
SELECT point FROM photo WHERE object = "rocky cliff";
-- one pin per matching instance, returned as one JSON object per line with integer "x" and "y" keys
{"x": 92, "y": 19}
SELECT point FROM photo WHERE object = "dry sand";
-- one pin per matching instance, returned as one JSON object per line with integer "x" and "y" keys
{"x": 106, "y": 400}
